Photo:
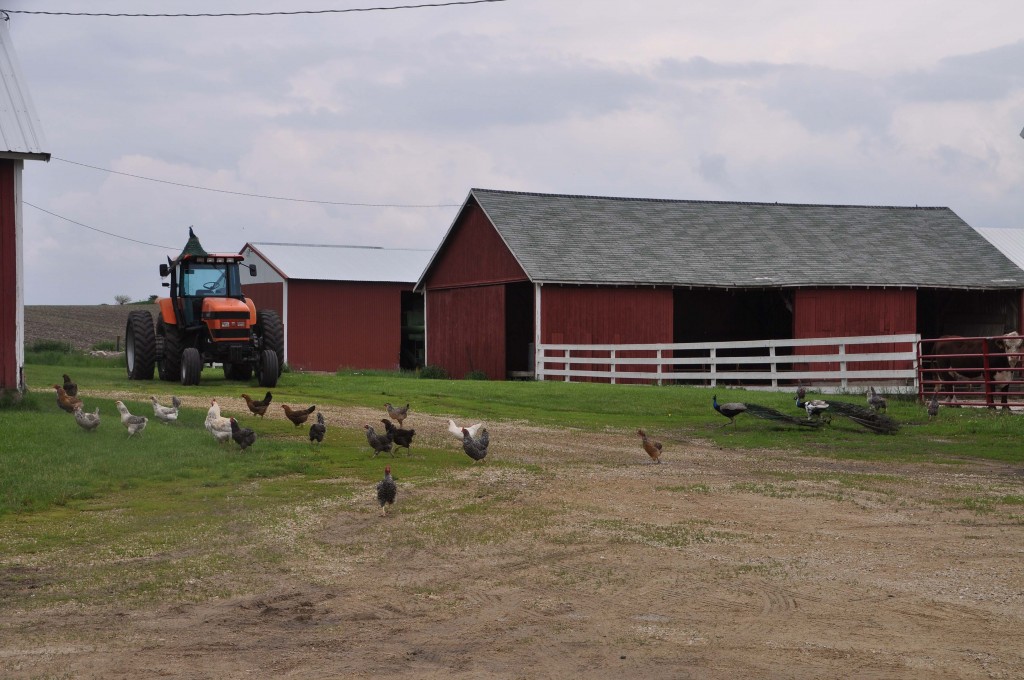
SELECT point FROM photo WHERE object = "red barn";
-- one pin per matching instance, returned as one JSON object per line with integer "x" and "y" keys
{"x": 517, "y": 269}
{"x": 21, "y": 138}
{"x": 342, "y": 306}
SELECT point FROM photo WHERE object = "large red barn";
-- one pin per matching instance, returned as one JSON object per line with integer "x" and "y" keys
{"x": 342, "y": 306}
{"x": 21, "y": 138}
{"x": 517, "y": 269}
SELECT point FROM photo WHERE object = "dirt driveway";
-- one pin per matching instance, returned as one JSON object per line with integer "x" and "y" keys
{"x": 585, "y": 560}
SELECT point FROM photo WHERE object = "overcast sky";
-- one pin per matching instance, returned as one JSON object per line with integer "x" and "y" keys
{"x": 915, "y": 102}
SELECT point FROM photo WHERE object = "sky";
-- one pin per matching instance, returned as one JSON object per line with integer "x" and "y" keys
{"x": 916, "y": 102}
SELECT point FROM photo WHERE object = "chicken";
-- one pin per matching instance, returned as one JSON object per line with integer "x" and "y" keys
{"x": 875, "y": 400}
{"x": 318, "y": 429}
{"x": 166, "y": 413}
{"x": 652, "y": 447}
{"x": 134, "y": 424}
{"x": 397, "y": 435}
{"x": 217, "y": 425}
{"x": 457, "y": 431}
{"x": 67, "y": 403}
{"x": 378, "y": 442}
{"x": 243, "y": 436}
{"x": 258, "y": 408}
{"x": 386, "y": 491}
{"x": 475, "y": 447}
{"x": 87, "y": 421}
{"x": 933, "y": 406}
{"x": 397, "y": 413}
{"x": 297, "y": 416}
{"x": 71, "y": 388}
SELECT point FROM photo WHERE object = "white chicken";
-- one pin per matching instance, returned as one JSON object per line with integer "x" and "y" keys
{"x": 457, "y": 430}
{"x": 134, "y": 424}
{"x": 216, "y": 425}
{"x": 166, "y": 413}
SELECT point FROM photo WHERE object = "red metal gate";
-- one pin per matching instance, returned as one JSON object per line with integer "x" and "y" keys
{"x": 971, "y": 371}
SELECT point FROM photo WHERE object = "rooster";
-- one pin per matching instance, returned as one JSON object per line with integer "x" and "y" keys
{"x": 134, "y": 424}
{"x": 397, "y": 435}
{"x": 71, "y": 388}
{"x": 87, "y": 421}
{"x": 166, "y": 413}
{"x": 318, "y": 429}
{"x": 399, "y": 413}
{"x": 475, "y": 447}
{"x": 297, "y": 416}
{"x": 66, "y": 402}
{"x": 378, "y": 442}
{"x": 217, "y": 425}
{"x": 243, "y": 436}
{"x": 875, "y": 400}
{"x": 258, "y": 408}
{"x": 457, "y": 431}
{"x": 386, "y": 491}
{"x": 653, "y": 448}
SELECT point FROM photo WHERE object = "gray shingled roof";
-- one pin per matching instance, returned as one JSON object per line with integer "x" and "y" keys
{"x": 602, "y": 240}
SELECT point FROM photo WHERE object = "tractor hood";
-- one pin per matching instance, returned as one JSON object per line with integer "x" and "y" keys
{"x": 227, "y": 308}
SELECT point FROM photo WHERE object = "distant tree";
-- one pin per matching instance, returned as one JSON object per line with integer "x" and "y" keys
{"x": 153, "y": 298}
{"x": 122, "y": 299}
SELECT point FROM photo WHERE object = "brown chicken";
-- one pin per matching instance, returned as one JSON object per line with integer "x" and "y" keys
{"x": 652, "y": 447}
{"x": 66, "y": 402}
{"x": 258, "y": 408}
{"x": 298, "y": 416}
{"x": 69, "y": 386}
{"x": 399, "y": 413}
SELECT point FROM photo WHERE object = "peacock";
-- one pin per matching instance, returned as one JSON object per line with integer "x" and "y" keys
{"x": 865, "y": 417}
{"x": 734, "y": 409}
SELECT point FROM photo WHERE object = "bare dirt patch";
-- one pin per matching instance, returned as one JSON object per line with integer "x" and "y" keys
{"x": 567, "y": 554}
{"x": 82, "y": 326}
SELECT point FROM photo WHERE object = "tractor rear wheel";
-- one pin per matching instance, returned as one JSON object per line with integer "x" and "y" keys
{"x": 169, "y": 364}
{"x": 270, "y": 330}
{"x": 268, "y": 370}
{"x": 139, "y": 346}
{"x": 191, "y": 366}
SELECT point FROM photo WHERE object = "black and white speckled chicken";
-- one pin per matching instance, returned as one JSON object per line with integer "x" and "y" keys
{"x": 398, "y": 436}
{"x": 318, "y": 429}
{"x": 378, "y": 442}
{"x": 70, "y": 387}
{"x": 243, "y": 436}
{"x": 387, "y": 491}
{"x": 476, "y": 447}
{"x": 87, "y": 421}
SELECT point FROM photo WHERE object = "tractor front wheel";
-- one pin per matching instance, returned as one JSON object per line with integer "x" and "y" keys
{"x": 270, "y": 330}
{"x": 191, "y": 366}
{"x": 169, "y": 364}
{"x": 268, "y": 370}
{"x": 139, "y": 346}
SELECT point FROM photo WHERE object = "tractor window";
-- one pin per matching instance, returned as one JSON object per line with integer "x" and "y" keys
{"x": 208, "y": 280}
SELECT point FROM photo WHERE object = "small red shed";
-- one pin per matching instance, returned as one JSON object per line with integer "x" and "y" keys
{"x": 342, "y": 306}
{"x": 520, "y": 269}
{"x": 21, "y": 139}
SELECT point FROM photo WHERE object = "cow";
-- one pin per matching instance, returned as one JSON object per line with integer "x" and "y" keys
{"x": 1004, "y": 362}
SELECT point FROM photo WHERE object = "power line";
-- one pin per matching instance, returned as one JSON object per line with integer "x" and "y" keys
{"x": 253, "y": 14}
{"x": 108, "y": 233}
{"x": 272, "y": 198}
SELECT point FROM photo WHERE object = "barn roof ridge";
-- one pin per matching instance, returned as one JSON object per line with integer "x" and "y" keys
{"x": 334, "y": 245}
{"x": 698, "y": 201}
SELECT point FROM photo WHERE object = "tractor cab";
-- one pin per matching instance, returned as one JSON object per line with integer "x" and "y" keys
{"x": 196, "y": 280}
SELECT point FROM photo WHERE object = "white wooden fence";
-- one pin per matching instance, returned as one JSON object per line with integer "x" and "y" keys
{"x": 824, "y": 362}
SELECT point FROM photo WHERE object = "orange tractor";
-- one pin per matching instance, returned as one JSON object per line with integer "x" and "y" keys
{"x": 205, "y": 320}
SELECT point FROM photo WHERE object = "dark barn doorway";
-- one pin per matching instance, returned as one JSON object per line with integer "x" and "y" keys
{"x": 967, "y": 312}
{"x": 413, "y": 343}
{"x": 519, "y": 318}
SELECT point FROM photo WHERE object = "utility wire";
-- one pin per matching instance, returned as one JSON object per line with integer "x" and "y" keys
{"x": 272, "y": 198}
{"x": 95, "y": 229}
{"x": 253, "y": 14}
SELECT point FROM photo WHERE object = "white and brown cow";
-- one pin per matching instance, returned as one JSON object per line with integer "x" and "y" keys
{"x": 1003, "y": 355}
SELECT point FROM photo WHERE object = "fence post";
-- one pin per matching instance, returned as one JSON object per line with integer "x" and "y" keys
{"x": 613, "y": 366}
{"x": 538, "y": 362}
{"x": 568, "y": 365}
{"x": 714, "y": 367}
{"x": 775, "y": 367}
{"x": 989, "y": 400}
{"x": 842, "y": 366}
{"x": 659, "y": 366}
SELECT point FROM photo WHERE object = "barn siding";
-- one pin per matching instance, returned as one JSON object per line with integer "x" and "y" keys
{"x": 473, "y": 254}
{"x": 466, "y": 330}
{"x": 826, "y": 313}
{"x": 8, "y": 278}
{"x": 340, "y": 324}
{"x": 602, "y": 315}
{"x": 266, "y": 296}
